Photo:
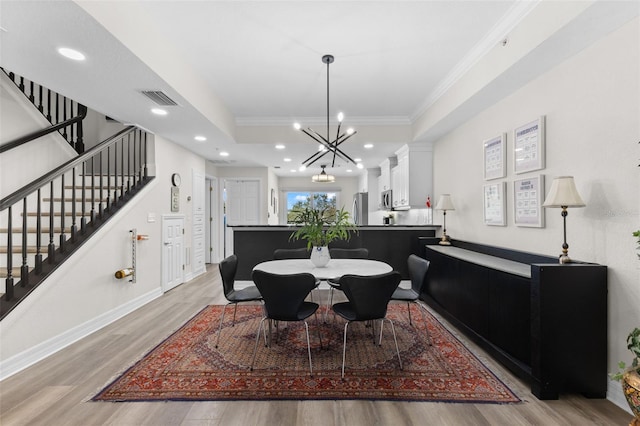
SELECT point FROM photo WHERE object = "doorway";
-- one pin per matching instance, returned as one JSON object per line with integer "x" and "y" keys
{"x": 172, "y": 251}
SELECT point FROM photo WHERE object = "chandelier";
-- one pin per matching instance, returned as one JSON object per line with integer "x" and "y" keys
{"x": 327, "y": 146}
{"x": 323, "y": 177}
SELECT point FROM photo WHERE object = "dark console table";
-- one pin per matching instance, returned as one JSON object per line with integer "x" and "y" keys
{"x": 544, "y": 321}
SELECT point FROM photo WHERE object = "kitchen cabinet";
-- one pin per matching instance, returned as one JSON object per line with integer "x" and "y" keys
{"x": 412, "y": 182}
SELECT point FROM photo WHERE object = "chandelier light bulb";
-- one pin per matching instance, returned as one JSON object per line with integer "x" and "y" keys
{"x": 302, "y": 168}
{"x": 350, "y": 131}
{"x": 359, "y": 165}
{"x": 340, "y": 117}
{"x": 297, "y": 126}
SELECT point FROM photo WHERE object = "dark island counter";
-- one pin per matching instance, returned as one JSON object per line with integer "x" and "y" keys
{"x": 391, "y": 244}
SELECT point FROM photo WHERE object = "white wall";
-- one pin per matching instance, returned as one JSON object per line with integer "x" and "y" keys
{"x": 82, "y": 295}
{"x": 592, "y": 104}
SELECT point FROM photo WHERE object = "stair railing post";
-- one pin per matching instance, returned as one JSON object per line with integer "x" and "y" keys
{"x": 24, "y": 268}
{"x": 63, "y": 237}
{"x": 38, "y": 258}
{"x": 8, "y": 292}
{"x": 51, "y": 255}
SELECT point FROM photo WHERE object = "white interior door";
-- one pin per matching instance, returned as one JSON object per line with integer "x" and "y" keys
{"x": 242, "y": 206}
{"x": 172, "y": 252}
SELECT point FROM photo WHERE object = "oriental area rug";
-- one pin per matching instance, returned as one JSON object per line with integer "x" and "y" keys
{"x": 187, "y": 366}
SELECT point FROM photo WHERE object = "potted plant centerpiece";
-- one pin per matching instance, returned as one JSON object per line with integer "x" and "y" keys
{"x": 320, "y": 227}
{"x": 630, "y": 377}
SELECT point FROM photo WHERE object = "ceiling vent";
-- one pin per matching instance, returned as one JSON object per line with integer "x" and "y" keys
{"x": 216, "y": 161}
{"x": 159, "y": 97}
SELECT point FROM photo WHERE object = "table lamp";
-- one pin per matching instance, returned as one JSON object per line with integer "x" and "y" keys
{"x": 563, "y": 194}
{"x": 444, "y": 204}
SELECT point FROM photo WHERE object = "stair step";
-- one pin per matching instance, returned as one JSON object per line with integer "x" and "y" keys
{"x": 78, "y": 200}
{"x": 33, "y": 230}
{"x": 18, "y": 249}
{"x": 15, "y": 272}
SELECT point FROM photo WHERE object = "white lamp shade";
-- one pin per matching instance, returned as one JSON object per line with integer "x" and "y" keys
{"x": 445, "y": 203}
{"x": 563, "y": 193}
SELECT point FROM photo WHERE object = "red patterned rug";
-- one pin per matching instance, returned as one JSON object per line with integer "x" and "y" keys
{"x": 188, "y": 366}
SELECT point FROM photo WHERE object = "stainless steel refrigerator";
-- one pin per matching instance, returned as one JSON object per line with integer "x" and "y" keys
{"x": 360, "y": 210}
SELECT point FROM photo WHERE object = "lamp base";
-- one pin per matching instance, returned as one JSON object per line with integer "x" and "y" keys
{"x": 564, "y": 258}
{"x": 445, "y": 241}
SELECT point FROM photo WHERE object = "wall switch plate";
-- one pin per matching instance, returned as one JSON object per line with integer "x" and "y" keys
{"x": 151, "y": 217}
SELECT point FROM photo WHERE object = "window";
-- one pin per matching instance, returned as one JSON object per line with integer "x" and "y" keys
{"x": 302, "y": 199}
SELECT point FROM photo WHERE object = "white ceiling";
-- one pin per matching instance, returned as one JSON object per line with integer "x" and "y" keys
{"x": 243, "y": 71}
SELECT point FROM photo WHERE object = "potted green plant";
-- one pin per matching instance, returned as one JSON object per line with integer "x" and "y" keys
{"x": 630, "y": 377}
{"x": 319, "y": 227}
{"x": 637, "y": 235}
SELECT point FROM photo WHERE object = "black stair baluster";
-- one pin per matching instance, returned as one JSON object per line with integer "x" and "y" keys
{"x": 57, "y": 108}
{"x": 51, "y": 255}
{"x": 49, "y": 106}
{"x": 101, "y": 185}
{"x": 72, "y": 139}
{"x": 83, "y": 220}
{"x": 63, "y": 237}
{"x": 21, "y": 85}
{"x": 38, "y": 263}
{"x": 74, "y": 226}
{"x": 24, "y": 268}
{"x": 140, "y": 162}
{"x": 40, "y": 106}
{"x": 122, "y": 170}
{"x": 8, "y": 295}
{"x": 108, "y": 201}
{"x": 93, "y": 193}
{"x": 128, "y": 162}
{"x": 32, "y": 98}
{"x": 80, "y": 140}
{"x": 145, "y": 157}
{"x": 64, "y": 118}
{"x": 135, "y": 164}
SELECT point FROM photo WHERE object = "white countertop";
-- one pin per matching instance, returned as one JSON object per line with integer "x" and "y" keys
{"x": 493, "y": 262}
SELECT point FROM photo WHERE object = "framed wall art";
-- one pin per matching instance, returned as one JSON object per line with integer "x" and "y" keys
{"x": 528, "y": 146}
{"x": 528, "y": 196}
{"x": 495, "y": 157}
{"x": 494, "y": 204}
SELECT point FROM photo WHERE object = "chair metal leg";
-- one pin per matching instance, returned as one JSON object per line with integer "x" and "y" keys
{"x": 344, "y": 347}
{"x": 306, "y": 327}
{"x": 221, "y": 321}
{"x": 393, "y": 330}
{"x": 235, "y": 309}
{"x": 255, "y": 349}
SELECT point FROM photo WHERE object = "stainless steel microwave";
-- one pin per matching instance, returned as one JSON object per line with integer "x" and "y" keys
{"x": 386, "y": 200}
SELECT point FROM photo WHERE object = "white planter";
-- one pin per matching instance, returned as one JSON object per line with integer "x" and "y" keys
{"x": 320, "y": 256}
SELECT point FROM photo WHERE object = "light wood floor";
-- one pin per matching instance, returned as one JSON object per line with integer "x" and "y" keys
{"x": 56, "y": 390}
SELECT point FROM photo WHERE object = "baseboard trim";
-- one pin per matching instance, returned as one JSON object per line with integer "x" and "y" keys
{"x": 47, "y": 348}
{"x": 615, "y": 395}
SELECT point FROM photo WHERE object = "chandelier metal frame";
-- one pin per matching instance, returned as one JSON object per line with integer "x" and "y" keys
{"x": 331, "y": 146}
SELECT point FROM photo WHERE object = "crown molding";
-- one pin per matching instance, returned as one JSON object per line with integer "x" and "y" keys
{"x": 318, "y": 121}
{"x": 511, "y": 19}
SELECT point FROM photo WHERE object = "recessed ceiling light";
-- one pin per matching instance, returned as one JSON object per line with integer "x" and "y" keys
{"x": 71, "y": 54}
{"x": 280, "y": 146}
{"x": 286, "y": 160}
{"x": 293, "y": 170}
{"x": 159, "y": 111}
{"x": 360, "y": 166}
{"x": 357, "y": 160}
{"x": 200, "y": 138}
{"x": 368, "y": 145}
{"x": 224, "y": 154}
{"x": 349, "y": 170}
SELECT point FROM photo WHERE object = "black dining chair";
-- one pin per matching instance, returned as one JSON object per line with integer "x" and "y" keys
{"x": 284, "y": 300}
{"x": 418, "y": 268}
{"x": 228, "y": 268}
{"x": 368, "y": 298}
{"x": 297, "y": 253}
{"x": 342, "y": 253}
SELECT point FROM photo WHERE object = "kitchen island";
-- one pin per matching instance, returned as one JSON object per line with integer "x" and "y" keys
{"x": 392, "y": 244}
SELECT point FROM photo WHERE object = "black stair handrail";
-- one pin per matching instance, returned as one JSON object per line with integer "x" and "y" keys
{"x": 82, "y": 110}
{"x": 29, "y": 188}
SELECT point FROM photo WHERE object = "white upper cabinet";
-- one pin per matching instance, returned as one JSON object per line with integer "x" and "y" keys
{"x": 412, "y": 180}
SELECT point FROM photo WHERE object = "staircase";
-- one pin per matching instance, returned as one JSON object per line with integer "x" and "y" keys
{"x": 47, "y": 220}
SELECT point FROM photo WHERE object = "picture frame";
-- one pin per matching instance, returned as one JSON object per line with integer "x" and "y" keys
{"x": 528, "y": 196}
{"x": 494, "y": 156}
{"x": 494, "y": 204}
{"x": 529, "y": 146}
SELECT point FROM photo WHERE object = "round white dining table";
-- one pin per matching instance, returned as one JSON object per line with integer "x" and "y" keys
{"x": 334, "y": 269}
